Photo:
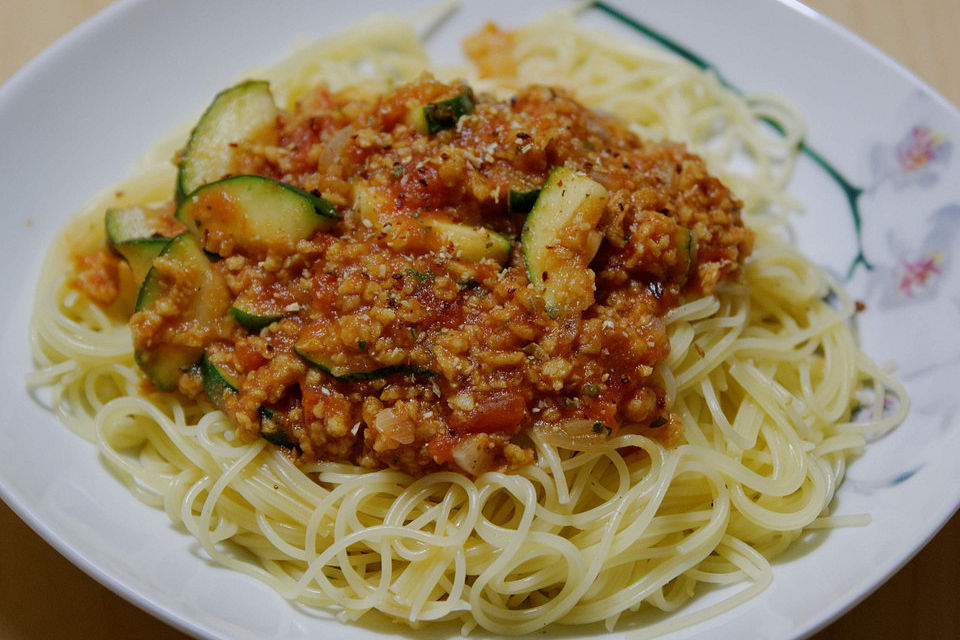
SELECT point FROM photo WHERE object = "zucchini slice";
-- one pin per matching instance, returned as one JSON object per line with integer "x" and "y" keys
{"x": 443, "y": 114}
{"x": 136, "y": 236}
{"x": 135, "y": 223}
{"x": 351, "y": 369}
{"x": 253, "y": 315}
{"x": 320, "y": 347}
{"x": 463, "y": 241}
{"x": 686, "y": 240}
{"x": 560, "y": 238}
{"x": 368, "y": 202}
{"x": 469, "y": 242}
{"x": 245, "y": 113}
{"x": 217, "y": 383}
{"x": 185, "y": 250}
{"x": 272, "y": 428}
{"x": 164, "y": 363}
{"x": 255, "y": 213}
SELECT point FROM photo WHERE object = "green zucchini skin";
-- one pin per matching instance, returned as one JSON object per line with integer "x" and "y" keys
{"x": 243, "y": 113}
{"x": 217, "y": 383}
{"x": 522, "y": 201}
{"x": 444, "y": 114}
{"x": 321, "y": 205}
{"x": 343, "y": 374}
{"x": 164, "y": 364}
{"x": 271, "y": 429}
{"x": 256, "y": 212}
{"x": 129, "y": 223}
{"x": 251, "y": 319}
{"x": 569, "y": 206}
{"x": 140, "y": 254}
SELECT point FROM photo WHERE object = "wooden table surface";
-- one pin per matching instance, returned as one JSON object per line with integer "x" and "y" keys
{"x": 43, "y": 596}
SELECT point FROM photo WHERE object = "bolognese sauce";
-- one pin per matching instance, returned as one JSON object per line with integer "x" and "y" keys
{"x": 418, "y": 328}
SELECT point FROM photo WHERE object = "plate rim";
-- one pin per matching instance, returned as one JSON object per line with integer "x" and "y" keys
{"x": 20, "y": 505}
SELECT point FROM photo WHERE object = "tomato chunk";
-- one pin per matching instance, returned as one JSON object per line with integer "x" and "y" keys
{"x": 502, "y": 411}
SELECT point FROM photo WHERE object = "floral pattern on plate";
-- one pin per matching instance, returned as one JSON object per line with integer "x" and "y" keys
{"x": 903, "y": 254}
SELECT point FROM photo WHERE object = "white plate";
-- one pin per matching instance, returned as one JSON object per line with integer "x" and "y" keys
{"x": 76, "y": 118}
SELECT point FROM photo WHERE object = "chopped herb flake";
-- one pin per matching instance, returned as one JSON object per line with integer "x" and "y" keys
{"x": 469, "y": 283}
{"x": 599, "y": 427}
{"x": 659, "y": 422}
{"x": 422, "y": 278}
{"x": 590, "y": 390}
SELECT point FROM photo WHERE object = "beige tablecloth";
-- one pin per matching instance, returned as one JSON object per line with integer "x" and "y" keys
{"x": 43, "y": 596}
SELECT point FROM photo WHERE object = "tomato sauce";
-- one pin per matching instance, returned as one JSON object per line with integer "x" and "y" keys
{"x": 395, "y": 351}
